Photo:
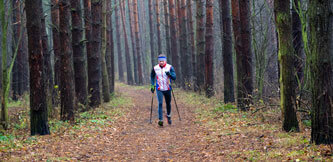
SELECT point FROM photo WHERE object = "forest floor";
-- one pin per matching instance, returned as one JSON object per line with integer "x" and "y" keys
{"x": 120, "y": 131}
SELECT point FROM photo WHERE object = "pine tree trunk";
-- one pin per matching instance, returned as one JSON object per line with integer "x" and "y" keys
{"x": 200, "y": 40}
{"x": 209, "y": 52}
{"x": 228, "y": 71}
{"x": 129, "y": 4}
{"x": 173, "y": 32}
{"x": 17, "y": 64}
{"x": 286, "y": 58}
{"x": 110, "y": 47}
{"x": 167, "y": 30}
{"x": 137, "y": 40}
{"x": 94, "y": 62}
{"x": 127, "y": 53}
{"x": 151, "y": 33}
{"x": 38, "y": 105}
{"x": 158, "y": 24}
{"x": 56, "y": 40}
{"x": 185, "y": 56}
{"x": 191, "y": 48}
{"x": 67, "y": 72}
{"x": 320, "y": 15}
{"x": 105, "y": 76}
{"x": 120, "y": 56}
{"x": 297, "y": 42}
{"x": 80, "y": 71}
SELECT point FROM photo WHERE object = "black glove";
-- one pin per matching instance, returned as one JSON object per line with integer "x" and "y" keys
{"x": 168, "y": 73}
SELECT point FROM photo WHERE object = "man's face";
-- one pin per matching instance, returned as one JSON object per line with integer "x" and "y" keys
{"x": 162, "y": 63}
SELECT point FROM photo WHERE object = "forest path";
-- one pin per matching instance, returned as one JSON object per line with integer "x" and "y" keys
{"x": 137, "y": 140}
{"x": 107, "y": 136}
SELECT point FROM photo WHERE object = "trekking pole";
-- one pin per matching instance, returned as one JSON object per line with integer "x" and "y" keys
{"x": 176, "y": 104}
{"x": 151, "y": 108}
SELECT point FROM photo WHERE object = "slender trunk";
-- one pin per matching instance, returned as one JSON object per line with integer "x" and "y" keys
{"x": 191, "y": 48}
{"x": 129, "y": 4}
{"x": 94, "y": 62}
{"x": 110, "y": 47}
{"x": 17, "y": 68}
{"x": 80, "y": 71}
{"x": 173, "y": 32}
{"x": 157, "y": 8}
{"x": 136, "y": 25}
{"x": 105, "y": 76}
{"x": 151, "y": 33}
{"x": 286, "y": 58}
{"x": 228, "y": 71}
{"x": 167, "y": 31}
{"x": 67, "y": 72}
{"x": 127, "y": 53}
{"x": 185, "y": 56}
{"x": 200, "y": 39}
{"x": 209, "y": 52}
{"x": 320, "y": 15}
{"x": 38, "y": 105}
{"x": 120, "y": 56}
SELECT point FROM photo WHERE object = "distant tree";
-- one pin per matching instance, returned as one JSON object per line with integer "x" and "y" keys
{"x": 105, "y": 75}
{"x": 38, "y": 107}
{"x": 209, "y": 52}
{"x": 185, "y": 56}
{"x": 191, "y": 48}
{"x": 167, "y": 30}
{"x": 173, "y": 32}
{"x": 151, "y": 33}
{"x": 130, "y": 13}
{"x": 137, "y": 40}
{"x": 110, "y": 47}
{"x": 227, "y": 51}
{"x": 56, "y": 40}
{"x": 120, "y": 56}
{"x": 67, "y": 87}
{"x": 158, "y": 24}
{"x": 286, "y": 58}
{"x": 80, "y": 64}
{"x": 320, "y": 17}
{"x": 200, "y": 43}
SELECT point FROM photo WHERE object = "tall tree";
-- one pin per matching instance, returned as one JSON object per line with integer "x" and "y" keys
{"x": 94, "y": 62}
{"x": 120, "y": 56}
{"x": 105, "y": 76}
{"x": 80, "y": 71}
{"x": 56, "y": 39}
{"x": 185, "y": 57}
{"x": 167, "y": 30}
{"x": 67, "y": 87}
{"x": 320, "y": 15}
{"x": 228, "y": 71}
{"x": 191, "y": 48}
{"x": 158, "y": 24}
{"x": 151, "y": 33}
{"x": 137, "y": 40}
{"x": 110, "y": 46}
{"x": 286, "y": 57}
{"x": 173, "y": 32}
{"x": 130, "y": 80}
{"x": 38, "y": 106}
{"x": 209, "y": 52}
{"x": 129, "y": 4}
{"x": 17, "y": 77}
{"x": 200, "y": 43}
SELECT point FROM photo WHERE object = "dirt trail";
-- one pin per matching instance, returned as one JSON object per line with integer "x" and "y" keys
{"x": 129, "y": 138}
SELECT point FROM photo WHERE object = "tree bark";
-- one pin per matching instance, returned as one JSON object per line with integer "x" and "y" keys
{"x": 191, "y": 48}
{"x": 158, "y": 24}
{"x": 67, "y": 72}
{"x": 56, "y": 41}
{"x": 167, "y": 30}
{"x": 105, "y": 76}
{"x": 173, "y": 32}
{"x": 120, "y": 56}
{"x": 110, "y": 47}
{"x": 130, "y": 80}
{"x": 130, "y": 13}
{"x": 38, "y": 107}
{"x": 151, "y": 33}
{"x": 228, "y": 71}
{"x": 320, "y": 15}
{"x": 137, "y": 40}
{"x": 209, "y": 52}
{"x": 185, "y": 56}
{"x": 286, "y": 58}
{"x": 80, "y": 71}
{"x": 200, "y": 40}
{"x": 94, "y": 62}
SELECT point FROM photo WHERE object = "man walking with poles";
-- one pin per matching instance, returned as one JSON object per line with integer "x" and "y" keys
{"x": 163, "y": 73}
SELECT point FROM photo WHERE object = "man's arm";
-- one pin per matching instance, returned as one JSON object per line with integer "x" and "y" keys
{"x": 152, "y": 76}
{"x": 172, "y": 73}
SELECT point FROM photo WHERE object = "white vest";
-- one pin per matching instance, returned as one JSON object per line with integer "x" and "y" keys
{"x": 162, "y": 80}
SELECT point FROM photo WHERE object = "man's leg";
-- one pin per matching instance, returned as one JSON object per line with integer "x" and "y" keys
{"x": 167, "y": 95}
{"x": 160, "y": 106}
